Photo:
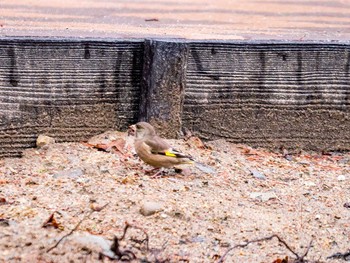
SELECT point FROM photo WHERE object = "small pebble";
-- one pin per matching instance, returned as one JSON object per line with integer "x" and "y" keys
{"x": 150, "y": 208}
{"x": 309, "y": 183}
{"x": 104, "y": 169}
{"x": 73, "y": 173}
{"x": 198, "y": 239}
{"x": 83, "y": 180}
{"x": 257, "y": 174}
{"x": 263, "y": 196}
{"x": 341, "y": 177}
{"x": 44, "y": 140}
{"x": 288, "y": 157}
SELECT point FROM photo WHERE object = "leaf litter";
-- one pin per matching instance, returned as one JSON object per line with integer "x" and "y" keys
{"x": 67, "y": 202}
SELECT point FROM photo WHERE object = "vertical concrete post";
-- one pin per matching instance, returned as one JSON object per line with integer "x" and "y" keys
{"x": 163, "y": 85}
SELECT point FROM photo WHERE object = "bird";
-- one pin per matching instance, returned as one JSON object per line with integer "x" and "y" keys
{"x": 156, "y": 152}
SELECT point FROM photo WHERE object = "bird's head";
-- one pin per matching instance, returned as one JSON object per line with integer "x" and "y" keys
{"x": 144, "y": 129}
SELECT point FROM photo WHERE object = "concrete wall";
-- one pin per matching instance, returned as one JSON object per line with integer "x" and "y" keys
{"x": 272, "y": 95}
{"x": 294, "y": 95}
{"x": 66, "y": 89}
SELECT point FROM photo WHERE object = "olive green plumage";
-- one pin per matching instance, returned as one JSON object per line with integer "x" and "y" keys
{"x": 156, "y": 152}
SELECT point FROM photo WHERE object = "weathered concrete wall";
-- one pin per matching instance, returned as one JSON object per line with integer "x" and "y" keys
{"x": 163, "y": 85}
{"x": 294, "y": 95}
{"x": 273, "y": 95}
{"x": 67, "y": 89}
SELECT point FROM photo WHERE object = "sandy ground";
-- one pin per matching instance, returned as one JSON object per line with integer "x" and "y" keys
{"x": 254, "y": 193}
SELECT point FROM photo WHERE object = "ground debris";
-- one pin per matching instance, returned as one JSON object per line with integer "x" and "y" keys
{"x": 137, "y": 245}
{"x": 202, "y": 212}
{"x": 281, "y": 260}
{"x": 51, "y": 222}
{"x": 110, "y": 141}
{"x": 298, "y": 258}
{"x": 257, "y": 174}
{"x": 44, "y": 140}
{"x": 149, "y": 208}
{"x": 75, "y": 228}
{"x": 263, "y": 196}
{"x": 345, "y": 256}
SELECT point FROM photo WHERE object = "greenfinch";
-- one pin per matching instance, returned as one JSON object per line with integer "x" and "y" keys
{"x": 156, "y": 152}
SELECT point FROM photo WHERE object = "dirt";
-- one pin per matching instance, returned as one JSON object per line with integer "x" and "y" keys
{"x": 87, "y": 193}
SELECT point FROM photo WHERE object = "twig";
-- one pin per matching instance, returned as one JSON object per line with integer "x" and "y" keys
{"x": 129, "y": 255}
{"x": 75, "y": 228}
{"x": 306, "y": 251}
{"x": 299, "y": 258}
{"x": 116, "y": 249}
{"x": 118, "y": 253}
{"x": 338, "y": 255}
{"x": 145, "y": 240}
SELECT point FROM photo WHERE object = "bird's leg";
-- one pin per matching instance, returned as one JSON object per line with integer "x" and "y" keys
{"x": 157, "y": 173}
{"x": 152, "y": 170}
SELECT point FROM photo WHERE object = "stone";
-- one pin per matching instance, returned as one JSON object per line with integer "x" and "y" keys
{"x": 104, "y": 169}
{"x": 149, "y": 208}
{"x": 93, "y": 242}
{"x": 341, "y": 177}
{"x": 73, "y": 173}
{"x": 263, "y": 196}
{"x": 44, "y": 140}
{"x": 309, "y": 183}
{"x": 198, "y": 239}
{"x": 257, "y": 174}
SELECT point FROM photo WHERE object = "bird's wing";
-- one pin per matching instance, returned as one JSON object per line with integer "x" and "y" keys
{"x": 156, "y": 143}
{"x": 159, "y": 146}
{"x": 172, "y": 153}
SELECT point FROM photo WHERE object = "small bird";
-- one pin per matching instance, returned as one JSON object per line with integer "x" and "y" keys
{"x": 156, "y": 152}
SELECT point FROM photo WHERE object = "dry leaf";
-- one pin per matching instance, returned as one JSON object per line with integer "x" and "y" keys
{"x": 3, "y": 182}
{"x": 51, "y": 222}
{"x": 112, "y": 146}
{"x": 116, "y": 145}
{"x": 196, "y": 142}
{"x": 284, "y": 260}
{"x": 128, "y": 180}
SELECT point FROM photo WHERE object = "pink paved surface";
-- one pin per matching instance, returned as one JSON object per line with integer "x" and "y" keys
{"x": 292, "y": 20}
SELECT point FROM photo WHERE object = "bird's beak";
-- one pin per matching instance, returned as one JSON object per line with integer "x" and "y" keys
{"x": 132, "y": 130}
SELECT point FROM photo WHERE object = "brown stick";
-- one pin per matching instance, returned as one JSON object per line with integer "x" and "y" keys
{"x": 299, "y": 258}
{"x": 125, "y": 254}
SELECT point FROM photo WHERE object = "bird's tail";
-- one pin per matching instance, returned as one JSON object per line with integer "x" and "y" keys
{"x": 204, "y": 168}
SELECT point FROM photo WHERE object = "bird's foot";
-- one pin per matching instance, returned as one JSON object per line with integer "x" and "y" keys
{"x": 158, "y": 173}
{"x": 152, "y": 170}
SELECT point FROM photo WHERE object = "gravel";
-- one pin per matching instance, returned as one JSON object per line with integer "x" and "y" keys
{"x": 197, "y": 217}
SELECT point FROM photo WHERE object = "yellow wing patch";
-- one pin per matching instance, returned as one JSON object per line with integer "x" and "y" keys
{"x": 167, "y": 153}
